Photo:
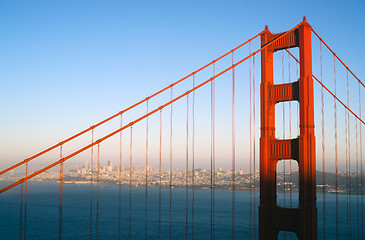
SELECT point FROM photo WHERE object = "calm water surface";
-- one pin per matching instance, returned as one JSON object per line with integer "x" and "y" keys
{"x": 42, "y": 213}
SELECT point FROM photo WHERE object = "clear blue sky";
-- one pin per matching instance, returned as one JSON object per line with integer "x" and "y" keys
{"x": 65, "y": 65}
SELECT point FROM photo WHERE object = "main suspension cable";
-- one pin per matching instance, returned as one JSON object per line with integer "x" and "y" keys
{"x": 130, "y": 107}
{"x": 335, "y": 55}
{"x": 150, "y": 113}
{"x": 333, "y": 95}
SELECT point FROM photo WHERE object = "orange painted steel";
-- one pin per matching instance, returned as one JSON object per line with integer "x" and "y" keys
{"x": 323, "y": 150}
{"x": 25, "y": 202}
{"x": 123, "y": 111}
{"x": 146, "y": 177}
{"x": 170, "y": 173}
{"x": 130, "y": 182}
{"x": 91, "y": 184}
{"x": 306, "y": 141}
{"x": 159, "y": 178}
{"x": 336, "y": 147}
{"x": 97, "y": 192}
{"x": 120, "y": 181}
{"x": 233, "y": 153}
{"x": 212, "y": 152}
{"x": 187, "y": 170}
{"x": 333, "y": 95}
{"x": 254, "y": 143}
{"x": 60, "y": 199}
{"x": 142, "y": 117}
{"x": 193, "y": 164}
{"x": 21, "y": 212}
{"x": 353, "y": 74}
{"x": 272, "y": 218}
{"x": 250, "y": 147}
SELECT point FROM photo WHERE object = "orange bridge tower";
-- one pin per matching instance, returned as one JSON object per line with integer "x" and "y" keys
{"x": 272, "y": 218}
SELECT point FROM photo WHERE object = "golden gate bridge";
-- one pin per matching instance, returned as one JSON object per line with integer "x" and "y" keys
{"x": 336, "y": 143}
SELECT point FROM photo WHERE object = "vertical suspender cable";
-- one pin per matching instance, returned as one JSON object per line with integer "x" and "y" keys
{"x": 159, "y": 179}
{"x": 323, "y": 151}
{"x": 361, "y": 189}
{"x": 91, "y": 183}
{"x": 290, "y": 137}
{"x": 250, "y": 79}
{"x": 347, "y": 176}
{"x": 211, "y": 157}
{"x": 290, "y": 173}
{"x": 336, "y": 158}
{"x": 357, "y": 182}
{"x": 349, "y": 154}
{"x": 146, "y": 190}
{"x": 233, "y": 152}
{"x": 130, "y": 184}
{"x": 170, "y": 212}
{"x": 21, "y": 211}
{"x": 347, "y": 173}
{"x": 298, "y": 118}
{"x": 284, "y": 170}
{"x": 214, "y": 170}
{"x": 120, "y": 179}
{"x": 25, "y": 202}
{"x": 60, "y": 198}
{"x": 212, "y": 90}
{"x": 97, "y": 193}
{"x": 254, "y": 145}
{"x": 193, "y": 163}
{"x": 187, "y": 168}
